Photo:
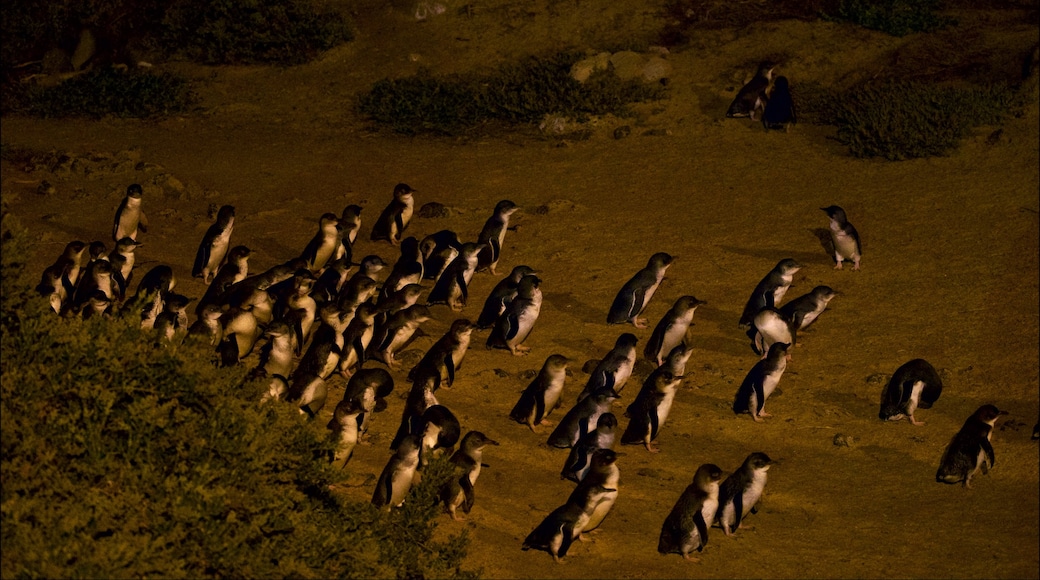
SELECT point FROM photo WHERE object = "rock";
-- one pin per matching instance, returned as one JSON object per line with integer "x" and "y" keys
{"x": 46, "y": 188}
{"x": 843, "y": 440}
{"x": 656, "y": 69}
{"x": 622, "y": 132}
{"x": 528, "y": 375}
{"x": 628, "y": 65}
{"x": 434, "y": 210}
{"x": 85, "y": 49}
{"x": 583, "y": 69}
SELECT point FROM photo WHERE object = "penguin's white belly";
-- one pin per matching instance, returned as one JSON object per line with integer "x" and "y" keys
{"x": 844, "y": 245}
{"x": 664, "y": 407}
{"x": 525, "y": 322}
{"x": 401, "y": 483}
{"x": 675, "y": 334}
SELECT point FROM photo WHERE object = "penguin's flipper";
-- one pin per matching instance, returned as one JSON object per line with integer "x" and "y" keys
{"x": 467, "y": 490}
{"x": 142, "y": 222}
{"x": 496, "y": 249}
{"x": 568, "y": 538}
{"x": 201, "y": 259}
{"x": 510, "y": 325}
{"x": 760, "y": 395}
{"x": 388, "y": 489}
{"x": 583, "y": 427}
{"x": 638, "y": 296}
{"x": 702, "y": 529}
{"x": 988, "y": 448}
{"x": 655, "y": 421}
{"x": 461, "y": 281}
{"x": 539, "y": 406}
{"x": 449, "y": 363}
{"x": 580, "y": 461}
{"x": 399, "y": 221}
{"x": 738, "y": 508}
{"x": 359, "y": 351}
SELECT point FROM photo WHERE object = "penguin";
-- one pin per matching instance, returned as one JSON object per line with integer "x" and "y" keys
{"x": 52, "y": 288}
{"x": 97, "y": 276}
{"x": 805, "y": 309}
{"x": 324, "y": 246}
{"x": 452, "y": 288}
{"x": 439, "y": 430}
{"x": 844, "y": 237}
{"x": 277, "y": 388}
{"x": 398, "y": 333}
{"x": 752, "y": 97}
{"x": 614, "y": 370}
{"x": 328, "y": 285}
{"x": 309, "y": 392}
{"x": 579, "y": 460}
{"x": 398, "y": 476}
{"x": 562, "y": 526}
{"x": 438, "y": 250}
{"x": 97, "y": 304}
{"x": 580, "y": 419}
{"x": 350, "y": 225}
{"x": 915, "y": 385}
{"x": 649, "y": 411}
{"x": 344, "y": 429}
{"x": 326, "y": 348}
{"x": 420, "y": 397}
{"x": 603, "y": 473}
{"x": 357, "y": 288}
{"x": 676, "y": 361}
{"x": 770, "y": 291}
{"x": 500, "y": 297}
{"x": 739, "y": 493}
{"x": 240, "y": 326}
{"x": 241, "y": 293}
{"x": 779, "y": 112}
{"x": 672, "y": 330}
{"x": 543, "y": 395}
{"x": 444, "y": 358}
{"x": 147, "y": 301}
{"x": 686, "y": 527}
{"x": 130, "y": 219}
{"x": 493, "y": 235}
{"x": 370, "y": 387}
{"x": 971, "y": 449}
{"x": 407, "y": 296}
{"x": 633, "y": 297}
{"x": 214, "y": 246}
{"x": 123, "y": 257}
{"x": 396, "y": 216}
{"x": 97, "y": 251}
{"x": 277, "y": 355}
{"x": 356, "y": 339}
{"x": 299, "y": 310}
{"x": 515, "y": 324}
{"x": 770, "y": 326}
{"x": 234, "y": 271}
{"x": 407, "y": 270}
{"x": 467, "y": 461}
{"x": 760, "y": 382}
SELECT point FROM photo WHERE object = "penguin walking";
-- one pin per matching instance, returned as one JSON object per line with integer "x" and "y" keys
{"x": 633, "y": 297}
{"x": 686, "y": 527}
{"x": 771, "y": 326}
{"x": 752, "y": 97}
{"x": 370, "y": 388}
{"x": 468, "y": 460}
{"x": 779, "y": 112}
{"x": 915, "y": 385}
{"x": 309, "y": 391}
{"x": 357, "y": 337}
{"x": 614, "y": 370}
{"x": 345, "y": 429}
{"x": 234, "y": 271}
{"x": 350, "y": 225}
{"x": 326, "y": 348}
{"x": 439, "y": 430}
{"x": 444, "y": 358}
{"x": 408, "y": 269}
{"x": 398, "y": 476}
{"x": 805, "y": 309}
{"x": 501, "y": 295}
{"x": 741, "y": 491}
{"x": 493, "y": 235}
{"x": 324, "y": 246}
{"x": 844, "y": 237}
{"x": 277, "y": 355}
{"x": 515, "y": 324}
{"x": 579, "y": 460}
{"x": 603, "y": 473}
{"x": 760, "y": 382}
{"x": 542, "y": 396}
{"x": 581, "y": 418}
{"x": 420, "y": 398}
{"x": 452, "y": 288}
{"x": 770, "y": 290}
{"x": 398, "y": 333}
{"x": 215, "y": 245}
{"x": 130, "y": 218}
{"x": 971, "y": 449}
{"x": 559, "y": 529}
{"x": 672, "y": 330}
{"x": 649, "y": 411}
{"x": 327, "y": 287}
{"x": 438, "y": 250}
{"x": 396, "y": 216}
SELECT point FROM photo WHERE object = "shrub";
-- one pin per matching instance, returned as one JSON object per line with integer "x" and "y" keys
{"x": 122, "y": 459}
{"x": 111, "y": 91}
{"x": 895, "y": 17}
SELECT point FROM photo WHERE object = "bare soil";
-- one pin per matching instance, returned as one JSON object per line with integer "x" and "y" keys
{"x": 950, "y": 271}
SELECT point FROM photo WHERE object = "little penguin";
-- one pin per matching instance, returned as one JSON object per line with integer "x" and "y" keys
{"x": 396, "y": 216}
{"x": 915, "y": 385}
{"x": 408, "y": 269}
{"x": 444, "y": 358}
{"x": 350, "y": 225}
{"x": 500, "y": 297}
{"x": 752, "y": 97}
{"x": 805, "y": 309}
{"x": 579, "y": 460}
{"x": 614, "y": 370}
{"x": 515, "y": 324}
{"x": 420, "y": 398}
{"x": 845, "y": 238}
{"x": 971, "y": 449}
{"x": 356, "y": 339}
{"x": 603, "y": 473}
{"x": 234, "y": 271}
{"x": 130, "y": 219}
{"x": 559, "y": 529}
{"x": 324, "y": 246}
{"x": 214, "y": 246}
{"x": 649, "y": 411}
{"x": 438, "y": 250}
{"x": 686, "y": 527}
{"x": 771, "y": 326}
{"x": 493, "y": 235}
{"x": 760, "y": 382}
{"x": 398, "y": 333}
{"x": 770, "y": 291}
{"x": 439, "y": 430}
{"x": 676, "y": 361}
{"x": 452, "y": 288}
{"x": 672, "y": 330}
{"x": 398, "y": 476}
{"x": 370, "y": 387}
{"x": 458, "y": 490}
{"x": 543, "y": 395}
{"x": 582, "y": 418}
{"x": 309, "y": 392}
{"x": 633, "y": 297}
{"x": 779, "y": 112}
{"x": 345, "y": 430}
{"x": 741, "y": 491}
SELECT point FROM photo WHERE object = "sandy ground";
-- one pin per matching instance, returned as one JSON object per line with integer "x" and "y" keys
{"x": 950, "y": 274}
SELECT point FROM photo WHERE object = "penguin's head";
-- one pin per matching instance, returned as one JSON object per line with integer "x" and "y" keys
{"x": 707, "y": 475}
{"x": 758, "y": 461}
{"x": 835, "y": 213}
{"x": 660, "y": 260}
{"x": 988, "y": 414}
{"x": 402, "y": 191}
{"x": 626, "y": 341}
{"x": 134, "y": 190}
{"x": 505, "y": 207}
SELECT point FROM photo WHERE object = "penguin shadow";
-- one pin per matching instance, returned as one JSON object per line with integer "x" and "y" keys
{"x": 823, "y": 235}
{"x": 570, "y": 303}
{"x": 803, "y": 258}
{"x": 726, "y": 338}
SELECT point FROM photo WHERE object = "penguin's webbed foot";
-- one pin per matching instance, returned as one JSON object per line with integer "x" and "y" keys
{"x": 915, "y": 422}
{"x": 639, "y": 322}
{"x": 546, "y": 422}
{"x": 650, "y": 447}
{"x": 520, "y": 350}
{"x": 690, "y": 558}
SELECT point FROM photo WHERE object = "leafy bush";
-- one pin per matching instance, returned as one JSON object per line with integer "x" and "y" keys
{"x": 111, "y": 91}
{"x": 895, "y": 17}
{"x": 523, "y": 92}
{"x": 903, "y": 120}
{"x": 122, "y": 459}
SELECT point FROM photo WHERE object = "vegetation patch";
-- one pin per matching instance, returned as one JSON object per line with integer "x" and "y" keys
{"x": 111, "y": 91}
{"x": 895, "y": 17}
{"x": 522, "y": 92}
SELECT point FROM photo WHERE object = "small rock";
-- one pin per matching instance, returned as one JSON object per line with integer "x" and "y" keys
{"x": 46, "y": 188}
{"x": 583, "y": 69}
{"x": 622, "y": 132}
{"x": 501, "y": 373}
{"x": 656, "y": 69}
{"x": 877, "y": 379}
{"x": 843, "y": 440}
{"x": 528, "y": 374}
{"x": 627, "y": 65}
{"x": 434, "y": 210}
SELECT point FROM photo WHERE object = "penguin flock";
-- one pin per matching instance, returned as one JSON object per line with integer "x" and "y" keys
{"x": 325, "y": 314}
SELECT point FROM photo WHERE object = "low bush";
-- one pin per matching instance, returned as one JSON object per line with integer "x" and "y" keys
{"x": 111, "y": 91}
{"x": 895, "y": 17}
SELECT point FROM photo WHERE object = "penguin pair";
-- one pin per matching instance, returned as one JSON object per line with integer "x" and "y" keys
{"x": 614, "y": 370}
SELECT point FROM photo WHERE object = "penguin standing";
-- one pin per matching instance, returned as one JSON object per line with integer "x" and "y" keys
{"x": 915, "y": 385}
{"x": 398, "y": 476}
{"x": 686, "y": 527}
{"x": 804, "y": 310}
{"x": 324, "y": 246}
{"x": 277, "y": 355}
{"x": 399, "y": 332}
{"x": 396, "y": 216}
{"x": 770, "y": 291}
{"x": 130, "y": 219}
{"x": 408, "y": 269}
{"x": 559, "y": 529}
{"x": 633, "y": 297}
{"x": 500, "y": 297}
{"x": 650, "y": 409}
{"x": 345, "y": 429}
{"x": 677, "y": 359}
{"x": 581, "y": 418}
{"x": 741, "y": 491}
{"x": 420, "y": 397}
{"x": 603, "y": 473}
{"x": 458, "y": 491}
{"x": 844, "y": 237}
{"x": 760, "y": 382}
{"x": 542, "y": 396}
{"x": 579, "y": 460}
{"x": 356, "y": 339}
{"x": 779, "y": 112}
{"x": 370, "y": 387}
{"x": 672, "y": 330}
{"x": 515, "y": 324}
{"x": 439, "y": 430}
{"x": 970, "y": 451}
{"x": 444, "y": 358}
{"x": 438, "y": 250}
{"x": 234, "y": 271}
{"x": 614, "y": 370}
{"x": 771, "y": 326}
{"x": 214, "y": 246}
{"x": 452, "y": 288}
{"x": 493, "y": 235}
{"x": 350, "y": 225}
{"x": 752, "y": 97}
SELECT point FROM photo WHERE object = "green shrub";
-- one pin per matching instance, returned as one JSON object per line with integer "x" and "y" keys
{"x": 895, "y": 17}
{"x": 904, "y": 120}
{"x": 111, "y": 91}
{"x": 521, "y": 92}
{"x": 121, "y": 459}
